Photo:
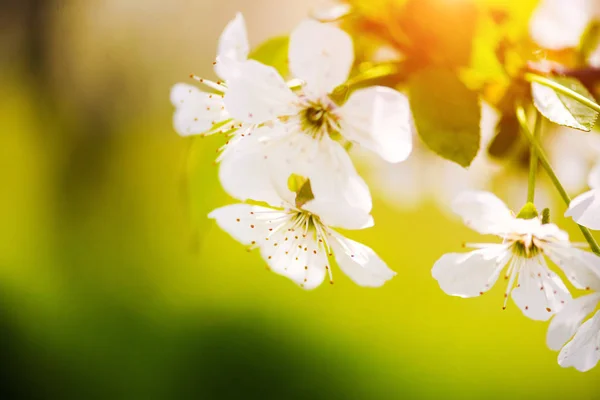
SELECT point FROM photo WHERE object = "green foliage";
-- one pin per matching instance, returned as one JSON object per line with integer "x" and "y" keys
{"x": 507, "y": 135}
{"x": 446, "y": 114}
{"x": 562, "y": 109}
{"x": 274, "y": 52}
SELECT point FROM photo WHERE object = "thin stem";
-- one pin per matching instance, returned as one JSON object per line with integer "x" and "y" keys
{"x": 546, "y": 164}
{"x": 562, "y": 89}
{"x": 374, "y": 72}
{"x": 340, "y": 94}
{"x": 533, "y": 160}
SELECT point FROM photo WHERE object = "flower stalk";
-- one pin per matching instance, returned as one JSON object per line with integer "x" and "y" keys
{"x": 533, "y": 160}
{"x": 543, "y": 158}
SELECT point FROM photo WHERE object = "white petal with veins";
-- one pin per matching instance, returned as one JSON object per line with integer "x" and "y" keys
{"x": 564, "y": 325}
{"x": 540, "y": 292}
{"x": 360, "y": 262}
{"x": 583, "y": 352}
{"x": 482, "y": 211}
{"x": 321, "y": 55}
{"x": 233, "y": 48}
{"x": 259, "y": 94}
{"x": 195, "y": 111}
{"x": 378, "y": 118}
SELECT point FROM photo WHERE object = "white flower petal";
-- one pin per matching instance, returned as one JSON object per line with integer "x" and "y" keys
{"x": 334, "y": 177}
{"x": 325, "y": 162}
{"x": 547, "y": 232}
{"x": 360, "y": 262}
{"x": 196, "y": 111}
{"x": 487, "y": 123}
{"x": 559, "y": 24}
{"x": 564, "y": 324}
{"x": 378, "y": 118}
{"x": 233, "y": 48}
{"x": 582, "y": 268}
{"x": 585, "y": 209}
{"x": 246, "y": 223}
{"x": 469, "y": 274}
{"x": 296, "y": 256}
{"x": 540, "y": 292}
{"x": 259, "y": 94}
{"x": 321, "y": 55}
{"x": 583, "y": 352}
{"x": 334, "y": 215}
{"x": 482, "y": 211}
{"x": 245, "y": 172}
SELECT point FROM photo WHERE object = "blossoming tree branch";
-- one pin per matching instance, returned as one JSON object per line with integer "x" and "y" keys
{"x": 482, "y": 89}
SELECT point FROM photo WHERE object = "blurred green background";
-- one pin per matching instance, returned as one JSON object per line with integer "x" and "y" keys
{"x": 115, "y": 285}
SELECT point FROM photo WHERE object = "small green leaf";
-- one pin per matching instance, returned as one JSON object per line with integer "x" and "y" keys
{"x": 274, "y": 52}
{"x": 446, "y": 114}
{"x": 562, "y": 109}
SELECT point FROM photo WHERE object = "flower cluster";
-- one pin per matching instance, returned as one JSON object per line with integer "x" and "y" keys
{"x": 289, "y": 131}
{"x": 297, "y": 130}
{"x": 527, "y": 241}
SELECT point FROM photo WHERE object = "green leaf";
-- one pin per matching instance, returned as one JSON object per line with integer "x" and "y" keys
{"x": 274, "y": 52}
{"x": 446, "y": 114}
{"x": 562, "y": 109}
{"x": 507, "y": 135}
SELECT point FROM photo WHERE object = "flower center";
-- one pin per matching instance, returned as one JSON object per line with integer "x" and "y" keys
{"x": 307, "y": 222}
{"x": 524, "y": 246}
{"x": 318, "y": 119}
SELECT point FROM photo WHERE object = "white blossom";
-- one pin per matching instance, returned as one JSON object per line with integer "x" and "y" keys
{"x": 579, "y": 340}
{"x": 585, "y": 208}
{"x": 202, "y": 113}
{"x": 305, "y": 129}
{"x": 520, "y": 258}
{"x": 296, "y": 241}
